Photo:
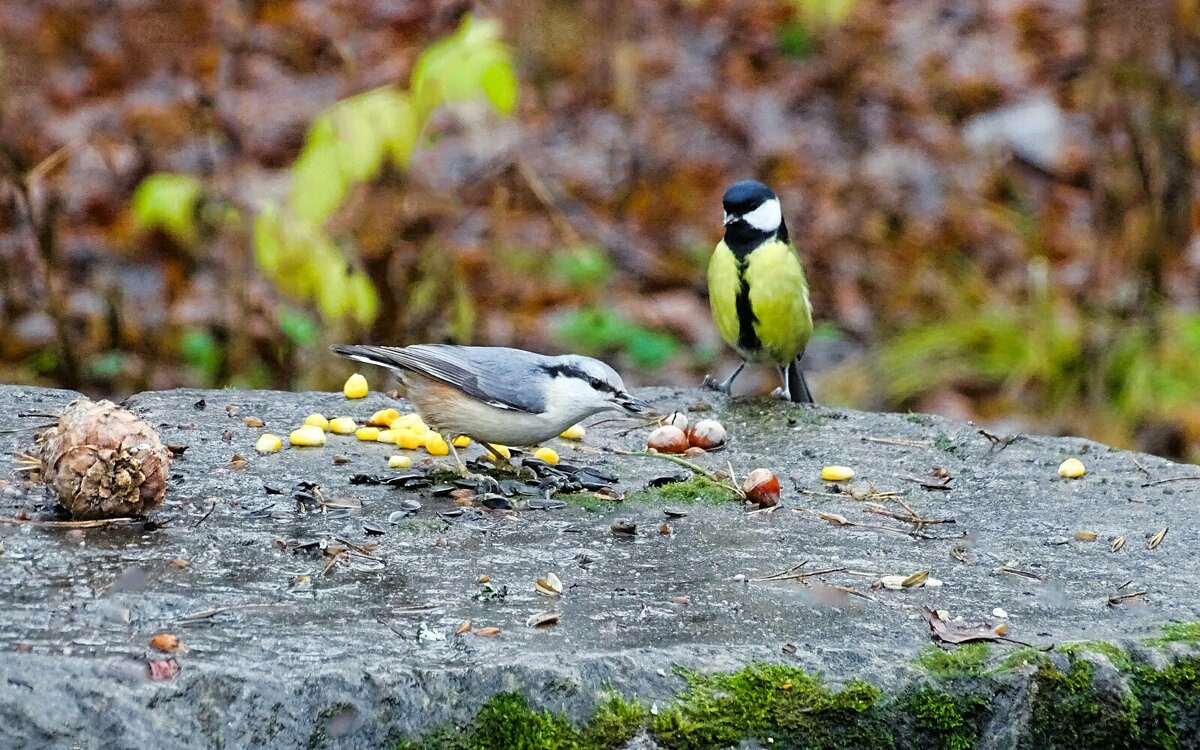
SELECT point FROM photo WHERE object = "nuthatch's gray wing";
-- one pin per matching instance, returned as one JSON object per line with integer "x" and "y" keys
{"x": 498, "y": 376}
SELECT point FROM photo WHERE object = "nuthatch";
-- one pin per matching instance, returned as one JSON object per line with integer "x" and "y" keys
{"x": 496, "y": 395}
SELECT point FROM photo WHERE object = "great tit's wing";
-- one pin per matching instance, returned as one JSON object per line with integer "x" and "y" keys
{"x": 499, "y": 377}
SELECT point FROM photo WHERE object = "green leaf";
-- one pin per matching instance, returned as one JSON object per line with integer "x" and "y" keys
{"x": 500, "y": 85}
{"x": 364, "y": 300}
{"x": 298, "y": 326}
{"x": 266, "y": 240}
{"x": 200, "y": 350}
{"x": 168, "y": 202}
{"x": 318, "y": 183}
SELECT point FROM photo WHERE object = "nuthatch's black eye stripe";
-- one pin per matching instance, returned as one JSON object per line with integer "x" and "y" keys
{"x": 571, "y": 371}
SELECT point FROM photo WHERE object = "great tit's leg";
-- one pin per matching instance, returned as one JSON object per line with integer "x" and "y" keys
{"x": 798, "y": 390}
{"x": 783, "y": 391}
{"x": 724, "y": 386}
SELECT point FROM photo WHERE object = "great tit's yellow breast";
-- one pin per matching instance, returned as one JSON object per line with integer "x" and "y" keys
{"x": 724, "y": 283}
{"x": 779, "y": 301}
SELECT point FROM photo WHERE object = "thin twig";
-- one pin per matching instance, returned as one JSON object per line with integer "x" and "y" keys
{"x": 899, "y": 441}
{"x": 792, "y": 569}
{"x": 204, "y": 614}
{"x": 854, "y": 592}
{"x": 1172, "y": 479}
{"x": 29, "y": 427}
{"x": 909, "y": 519}
{"x": 930, "y": 485}
{"x": 1141, "y": 468}
{"x": 389, "y": 626}
{"x": 798, "y": 576}
{"x": 673, "y": 459}
{"x": 120, "y": 521}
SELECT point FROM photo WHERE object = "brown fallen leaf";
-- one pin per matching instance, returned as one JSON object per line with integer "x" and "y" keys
{"x": 238, "y": 462}
{"x": 947, "y": 632}
{"x": 834, "y": 517}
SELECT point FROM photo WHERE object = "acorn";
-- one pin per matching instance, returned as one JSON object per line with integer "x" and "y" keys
{"x": 707, "y": 434}
{"x": 103, "y": 461}
{"x": 667, "y": 439}
{"x": 675, "y": 419}
{"x": 762, "y": 488}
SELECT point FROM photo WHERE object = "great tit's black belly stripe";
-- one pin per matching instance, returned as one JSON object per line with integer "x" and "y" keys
{"x": 748, "y": 340}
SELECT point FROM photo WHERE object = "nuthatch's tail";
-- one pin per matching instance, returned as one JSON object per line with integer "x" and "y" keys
{"x": 373, "y": 355}
{"x": 798, "y": 389}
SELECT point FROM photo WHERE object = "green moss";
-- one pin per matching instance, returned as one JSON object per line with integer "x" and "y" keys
{"x": 968, "y": 659}
{"x": 615, "y": 722}
{"x": 945, "y": 721}
{"x": 585, "y": 500}
{"x": 504, "y": 720}
{"x": 784, "y": 707}
{"x": 1023, "y": 655}
{"x": 923, "y": 420}
{"x": 1170, "y": 703}
{"x": 944, "y": 443}
{"x": 775, "y": 704}
{"x": 1178, "y": 632}
{"x": 696, "y": 489}
{"x": 1119, "y": 658}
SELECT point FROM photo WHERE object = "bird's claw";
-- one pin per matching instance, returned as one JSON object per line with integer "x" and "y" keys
{"x": 713, "y": 384}
{"x": 780, "y": 394}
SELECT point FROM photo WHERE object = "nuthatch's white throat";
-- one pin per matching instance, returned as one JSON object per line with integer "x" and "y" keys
{"x": 497, "y": 395}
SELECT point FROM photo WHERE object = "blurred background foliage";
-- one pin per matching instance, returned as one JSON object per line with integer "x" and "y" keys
{"x": 996, "y": 201}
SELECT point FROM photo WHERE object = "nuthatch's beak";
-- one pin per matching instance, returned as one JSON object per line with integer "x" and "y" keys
{"x": 633, "y": 405}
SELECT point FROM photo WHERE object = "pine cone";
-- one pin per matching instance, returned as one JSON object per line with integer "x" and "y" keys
{"x": 104, "y": 461}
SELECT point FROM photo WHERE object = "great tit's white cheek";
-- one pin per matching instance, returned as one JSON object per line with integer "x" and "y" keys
{"x": 765, "y": 218}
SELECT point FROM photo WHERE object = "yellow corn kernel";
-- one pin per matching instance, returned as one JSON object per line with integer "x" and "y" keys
{"x": 837, "y": 473}
{"x": 342, "y": 426}
{"x": 355, "y": 387}
{"x": 399, "y": 462}
{"x": 383, "y": 418}
{"x": 505, "y": 453}
{"x": 308, "y": 435}
{"x": 546, "y": 454}
{"x": 367, "y": 434}
{"x": 408, "y": 440}
{"x": 411, "y": 421}
{"x": 574, "y": 432}
{"x": 268, "y": 443}
{"x": 462, "y": 441}
{"x": 1072, "y": 468}
{"x": 386, "y": 436}
{"x": 318, "y": 421}
{"x": 437, "y": 445}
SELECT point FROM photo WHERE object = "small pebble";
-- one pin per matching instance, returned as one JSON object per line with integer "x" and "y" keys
{"x": 1000, "y": 613}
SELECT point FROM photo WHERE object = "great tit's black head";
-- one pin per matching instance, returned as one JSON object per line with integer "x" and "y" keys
{"x": 752, "y": 213}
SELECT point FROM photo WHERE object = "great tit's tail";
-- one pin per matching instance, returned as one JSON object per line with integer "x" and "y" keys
{"x": 798, "y": 389}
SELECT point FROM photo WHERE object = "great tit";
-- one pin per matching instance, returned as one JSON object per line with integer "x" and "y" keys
{"x": 757, "y": 290}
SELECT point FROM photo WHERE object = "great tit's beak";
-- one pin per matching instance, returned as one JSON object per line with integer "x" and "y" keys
{"x": 729, "y": 218}
{"x": 633, "y": 405}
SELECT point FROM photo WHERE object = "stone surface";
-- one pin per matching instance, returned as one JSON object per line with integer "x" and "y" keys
{"x": 366, "y": 652}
